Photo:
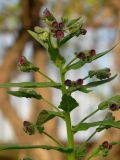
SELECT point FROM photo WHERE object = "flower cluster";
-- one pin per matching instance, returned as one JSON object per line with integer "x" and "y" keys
{"x": 26, "y": 66}
{"x": 58, "y": 29}
{"x": 107, "y": 145}
{"x": 86, "y": 55}
{"x": 70, "y": 83}
{"x": 100, "y": 74}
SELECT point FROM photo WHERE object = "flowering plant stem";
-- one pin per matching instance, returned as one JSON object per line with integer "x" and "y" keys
{"x": 70, "y": 136}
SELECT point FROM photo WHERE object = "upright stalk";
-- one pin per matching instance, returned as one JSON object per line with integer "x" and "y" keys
{"x": 70, "y": 135}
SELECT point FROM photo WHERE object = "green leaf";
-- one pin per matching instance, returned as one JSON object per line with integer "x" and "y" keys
{"x": 54, "y": 53}
{"x": 30, "y": 85}
{"x": 38, "y": 39}
{"x": 60, "y": 149}
{"x": 68, "y": 103}
{"x": 73, "y": 21}
{"x": 27, "y": 158}
{"x": 46, "y": 115}
{"x": 80, "y": 151}
{"x": 28, "y": 93}
{"x": 70, "y": 36}
{"x": 86, "y": 126}
{"x": 97, "y": 83}
{"x": 105, "y": 104}
{"x": 78, "y": 88}
{"x": 81, "y": 63}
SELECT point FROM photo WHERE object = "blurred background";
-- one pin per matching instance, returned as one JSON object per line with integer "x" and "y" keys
{"x": 103, "y": 32}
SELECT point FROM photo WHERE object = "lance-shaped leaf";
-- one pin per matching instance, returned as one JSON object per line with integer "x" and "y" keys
{"x": 30, "y": 85}
{"x": 73, "y": 22}
{"x": 86, "y": 126}
{"x": 97, "y": 83}
{"x": 57, "y": 148}
{"x": 46, "y": 115}
{"x": 38, "y": 38}
{"x": 105, "y": 104}
{"x": 28, "y": 93}
{"x": 54, "y": 53}
{"x": 68, "y": 103}
{"x": 79, "y": 88}
{"x": 81, "y": 63}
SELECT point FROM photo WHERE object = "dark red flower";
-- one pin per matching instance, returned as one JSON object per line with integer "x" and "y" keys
{"x": 59, "y": 34}
{"x": 55, "y": 24}
{"x": 80, "y": 81}
{"x": 22, "y": 60}
{"x": 46, "y": 13}
{"x": 81, "y": 55}
{"x": 113, "y": 107}
{"x": 92, "y": 52}
{"x": 107, "y": 145}
{"x": 61, "y": 25}
{"x": 83, "y": 31}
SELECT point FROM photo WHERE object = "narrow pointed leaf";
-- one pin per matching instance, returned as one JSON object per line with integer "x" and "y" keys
{"x": 60, "y": 149}
{"x": 46, "y": 115}
{"x": 86, "y": 126}
{"x": 26, "y": 93}
{"x": 37, "y": 38}
{"x": 97, "y": 83}
{"x": 30, "y": 85}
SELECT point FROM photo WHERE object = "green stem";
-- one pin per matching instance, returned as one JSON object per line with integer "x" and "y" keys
{"x": 91, "y": 136}
{"x": 46, "y": 76}
{"x": 71, "y": 61}
{"x": 70, "y": 136}
{"x": 52, "y": 138}
{"x": 91, "y": 114}
{"x": 85, "y": 77}
{"x": 50, "y": 104}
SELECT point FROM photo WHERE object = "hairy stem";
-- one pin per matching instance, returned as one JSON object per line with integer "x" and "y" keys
{"x": 46, "y": 76}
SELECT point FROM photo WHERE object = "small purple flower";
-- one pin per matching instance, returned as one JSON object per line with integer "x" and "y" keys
{"x": 68, "y": 82}
{"x": 80, "y": 81}
{"x": 59, "y": 34}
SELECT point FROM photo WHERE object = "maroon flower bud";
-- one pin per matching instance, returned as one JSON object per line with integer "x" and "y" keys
{"x": 61, "y": 25}
{"x": 81, "y": 55}
{"x": 55, "y": 24}
{"x": 59, "y": 34}
{"x": 107, "y": 145}
{"x": 28, "y": 128}
{"x": 22, "y": 60}
{"x": 80, "y": 81}
{"x": 68, "y": 82}
{"x": 83, "y": 31}
{"x": 92, "y": 52}
{"x": 113, "y": 107}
